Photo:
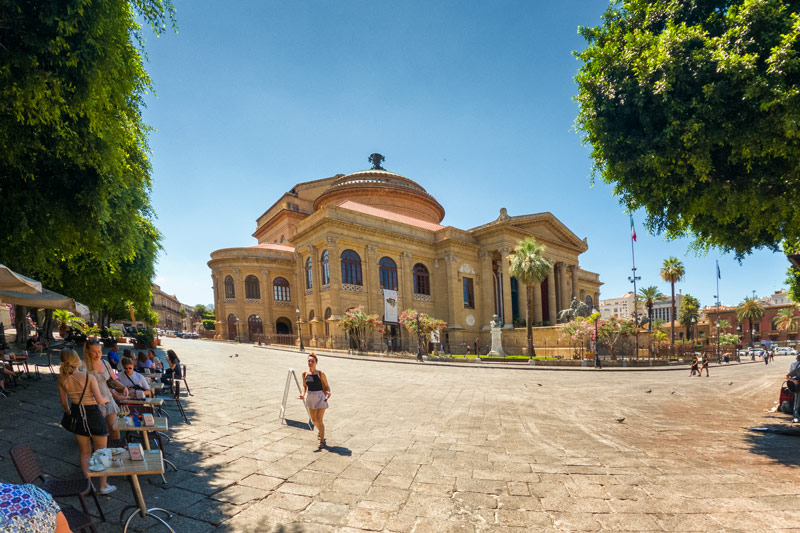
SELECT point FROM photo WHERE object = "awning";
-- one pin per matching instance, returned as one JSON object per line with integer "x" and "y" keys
{"x": 11, "y": 281}
{"x": 47, "y": 299}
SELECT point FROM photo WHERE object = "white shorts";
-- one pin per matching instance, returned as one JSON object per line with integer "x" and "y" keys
{"x": 315, "y": 399}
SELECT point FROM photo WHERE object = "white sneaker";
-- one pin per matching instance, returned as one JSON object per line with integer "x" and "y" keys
{"x": 795, "y": 421}
{"x": 107, "y": 490}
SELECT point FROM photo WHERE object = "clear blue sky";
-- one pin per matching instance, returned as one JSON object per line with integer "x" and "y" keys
{"x": 473, "y": 100}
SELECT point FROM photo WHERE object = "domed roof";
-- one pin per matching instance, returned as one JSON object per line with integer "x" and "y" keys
{"x": 386, "y": 190}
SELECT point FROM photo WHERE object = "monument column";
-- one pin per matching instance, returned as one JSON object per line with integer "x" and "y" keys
{"x": 238, "y": 285}
{"x": 316, "y": 282}
{"x": 266, "y": 298}
{"x": 487, "y": 289}
{"x": 370, "y": 279}
{"x": 456, "y": 290}
{"x": 537, "y": 302}
{"x": 508, "y": 312}
{"x": 551, "y": 297}
{"x": 298, "y": 290}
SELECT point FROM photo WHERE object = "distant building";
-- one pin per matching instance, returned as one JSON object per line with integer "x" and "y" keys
{"x": 662, "y": 309}
{"x": 780, "y": 297}
{"x": 168, "y": 308}
{"x": 618, "y": 307}
{"x": 763, "y": 330}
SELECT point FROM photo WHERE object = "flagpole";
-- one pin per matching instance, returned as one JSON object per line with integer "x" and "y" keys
{"x": 633, "y": 279}
{"x": 718, "y": 275}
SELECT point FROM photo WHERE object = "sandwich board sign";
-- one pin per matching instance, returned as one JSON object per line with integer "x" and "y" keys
{"x": 291, "y": 376}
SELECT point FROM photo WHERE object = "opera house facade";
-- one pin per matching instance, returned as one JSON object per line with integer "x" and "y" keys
{"x": 374, "y": 238}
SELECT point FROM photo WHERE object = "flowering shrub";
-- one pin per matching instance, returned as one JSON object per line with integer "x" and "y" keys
{"x": 611, "y": 330}
{"x": 578, "y": 332}
{"x": 357, "y": 324}
{"x": 427, "y": 324}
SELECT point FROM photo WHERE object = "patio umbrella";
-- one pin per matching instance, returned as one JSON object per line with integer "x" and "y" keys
{"x": 11, "y": 281}
{"x": 47, "y": 299}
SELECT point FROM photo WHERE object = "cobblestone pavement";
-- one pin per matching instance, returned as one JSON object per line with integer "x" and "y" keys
{"x": 434, "y": 448}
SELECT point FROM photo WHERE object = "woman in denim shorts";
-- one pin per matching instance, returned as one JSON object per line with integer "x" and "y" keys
{"x": 316, "y": 392}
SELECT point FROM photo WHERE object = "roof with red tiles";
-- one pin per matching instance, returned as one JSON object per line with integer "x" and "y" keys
{"x": 389, "y": 215}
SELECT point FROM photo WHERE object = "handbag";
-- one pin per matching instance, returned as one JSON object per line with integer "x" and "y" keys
{"x": 69, "y": 422}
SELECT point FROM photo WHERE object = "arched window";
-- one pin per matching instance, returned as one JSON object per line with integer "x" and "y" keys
{"x": 311, "y": 315}
{"x": 252, "y": 288}
{"x": 422, "y": 279}
{"x": 309, "y": 274}
{"x": 351, "y": 268}
{"x": 280, "y": 290}
{"x": 255, "y": 327}
{"x": 387, "y": 269}
{"x": 230, "y": 292}
{"x": 325, "y": 268}
{"x": 328, "y": 314}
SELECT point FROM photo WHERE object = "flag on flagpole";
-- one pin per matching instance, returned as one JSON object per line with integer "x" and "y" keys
{"x": 719, "y": 276}
{"x": 633, "y": 230}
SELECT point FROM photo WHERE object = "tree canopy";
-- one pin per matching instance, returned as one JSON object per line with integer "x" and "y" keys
{"x": 692, "y": 111}
{"x": 74, "y": 170}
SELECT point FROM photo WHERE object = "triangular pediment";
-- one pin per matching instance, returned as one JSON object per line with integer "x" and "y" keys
{"x": 544, "y": 226}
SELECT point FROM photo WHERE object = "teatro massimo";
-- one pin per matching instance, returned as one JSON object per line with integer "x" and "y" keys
{"x": 375, "y": 238}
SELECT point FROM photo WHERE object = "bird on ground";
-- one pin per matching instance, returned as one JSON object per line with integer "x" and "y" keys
{"x": 673, "y": 392}
{"x": 621, "y": 420}
{"x": 731, "y": 383}
{"x": 648, "y": 391}
{"x": 539, "y": 384}
{"x": 237, "y": 355}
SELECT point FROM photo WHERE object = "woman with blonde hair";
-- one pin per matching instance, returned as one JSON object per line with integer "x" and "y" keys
{"x": 101, "y": 370}
{"x": 80, "y": 397}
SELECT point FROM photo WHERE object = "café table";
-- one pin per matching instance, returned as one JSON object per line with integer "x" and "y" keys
{"x": 160, "y": 424}
{"x": 153, "y": 464}
{"x": 155, "y": 403}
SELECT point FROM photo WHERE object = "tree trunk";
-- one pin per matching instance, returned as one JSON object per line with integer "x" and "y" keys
{"x": 48, "y": 324}
{"x": 672, "y": 324}
{"x": 528, "y": 323}
{"x": 21, "y": 324}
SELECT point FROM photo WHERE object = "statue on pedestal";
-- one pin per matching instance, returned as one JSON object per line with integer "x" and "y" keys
{"x": 497, "y": 337}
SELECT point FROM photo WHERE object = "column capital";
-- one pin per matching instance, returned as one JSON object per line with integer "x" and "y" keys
{"x": 505, "y": 251}
{"x": 485, "y": 255}
{"x": 311, "y": 249}
{"x": 371, "y": 248}
{"x": 331, "y": 240}
{"x": 405, "y": 255}
{"x": 450, "y": 259}
{"x": 265, "y": 272}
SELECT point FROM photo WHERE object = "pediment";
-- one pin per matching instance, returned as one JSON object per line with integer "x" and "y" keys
{"x": 548, "y": 228}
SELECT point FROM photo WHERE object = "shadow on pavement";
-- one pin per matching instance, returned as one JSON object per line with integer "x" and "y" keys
{"x": 338, "y": 450}
{"x": 777, "y": 440}
{"x": 297, "y": 424}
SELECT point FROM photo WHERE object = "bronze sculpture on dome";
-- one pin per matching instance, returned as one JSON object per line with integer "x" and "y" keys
{"x": 376, "y": 160}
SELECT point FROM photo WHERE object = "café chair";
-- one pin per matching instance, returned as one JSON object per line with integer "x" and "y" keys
{"x": 28, "y": 470}
{"x": 77, "y": 520}
{"x": 183, "y": 368}
{"x": 39, "y": 363}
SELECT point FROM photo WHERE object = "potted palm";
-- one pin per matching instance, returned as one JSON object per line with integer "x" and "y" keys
{"x": 67, "y": 319}
{"x": 145, "y": 339}
{"x": 92, "y": 332}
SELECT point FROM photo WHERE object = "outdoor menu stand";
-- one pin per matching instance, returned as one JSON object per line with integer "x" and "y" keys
{"x": 152, "y": 464}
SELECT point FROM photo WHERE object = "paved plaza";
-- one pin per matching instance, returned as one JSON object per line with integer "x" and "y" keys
{"x": 420, "y": 447}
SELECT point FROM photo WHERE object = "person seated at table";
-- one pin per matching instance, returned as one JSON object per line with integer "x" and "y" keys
{"x": 157, "y": 366}
{"x": 29, "y": 508}
{"x": 137, "y": 384}
{"x": 34, "y": 344}
{"x": 174, "y": 371}
{"x": 113, "y": 355}
{"x": 143, "y": 362}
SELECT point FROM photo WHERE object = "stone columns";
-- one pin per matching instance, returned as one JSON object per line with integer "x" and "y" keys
{"x": 316, "y": 280}
{"x": 508, "y": 311}
{"x": 369, "y": 273}
{"x": 266, "y": 298}
{"x": 574, "y": 271}
{"x": 551, "y": 297}
{"x": 562, "y": 286}
{"x": 298, "y": 287}
{"x": 487, "y": 289}
{"x": 455, "y": 289}
{"x": 537, "y": 302}
{"x": 405, "y": 286}
{"x": 335, "y": 269}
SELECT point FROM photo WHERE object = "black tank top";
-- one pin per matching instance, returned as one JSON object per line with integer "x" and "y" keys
{"x": 313, "y": 382}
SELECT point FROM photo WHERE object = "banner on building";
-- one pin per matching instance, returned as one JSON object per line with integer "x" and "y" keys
{"x": 389, "y": 306}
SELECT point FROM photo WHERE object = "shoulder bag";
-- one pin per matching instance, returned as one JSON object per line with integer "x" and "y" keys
{"x": 69, "y": 422}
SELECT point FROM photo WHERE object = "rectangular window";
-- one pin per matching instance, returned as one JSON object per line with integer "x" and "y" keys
{"x": 469, "y": 294}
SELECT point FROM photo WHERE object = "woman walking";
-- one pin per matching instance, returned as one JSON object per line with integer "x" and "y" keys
{"x": 704, "y": 366}
{"x": 316, "y": 392}
{"x": 83, "y": 393}
{"x": 695, "y": 367}
{"x": 101, "y": 370}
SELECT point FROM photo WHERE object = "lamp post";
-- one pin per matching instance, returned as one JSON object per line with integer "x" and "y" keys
{"x": 419, "y": 341}
{"x": 596, "y": 316}
{"x": 300, "y": 329}
{"x": 238, "y": 331}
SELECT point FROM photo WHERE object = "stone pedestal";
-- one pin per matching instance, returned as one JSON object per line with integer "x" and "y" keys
{"x": 497, "y": 343}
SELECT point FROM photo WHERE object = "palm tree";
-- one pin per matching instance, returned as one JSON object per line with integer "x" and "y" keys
{"x": 785, "y": 319}
{"x": 528, "y": 264}
{"x": 689, "y": 314}
{"x": 751, "y": 310}
{"x": 649, "y": 296}
{"x": 672, "y": 271}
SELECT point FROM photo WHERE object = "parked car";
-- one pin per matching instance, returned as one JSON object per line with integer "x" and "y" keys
{"x": 785, "y": 350}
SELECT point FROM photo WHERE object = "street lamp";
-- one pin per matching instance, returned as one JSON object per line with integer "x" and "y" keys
{"x": 238, "y": 331}
{"x": 419, "y": 340}
{"x": 299, "y": 329}
{"x": 596, "y": 315}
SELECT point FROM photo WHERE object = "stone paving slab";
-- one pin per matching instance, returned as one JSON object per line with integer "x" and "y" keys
{"x": 419, "y": 447}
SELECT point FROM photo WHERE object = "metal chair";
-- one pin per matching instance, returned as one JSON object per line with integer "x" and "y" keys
{"x": 77, "y": 520}
{"x": 28, "y": 470}
{"x": 41, "y": 364}
{"x": 183, "y": 368}
{"x": 176, "y": 397}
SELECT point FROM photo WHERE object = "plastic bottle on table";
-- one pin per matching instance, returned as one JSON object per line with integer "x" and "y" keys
{"x": 137, "y": 419}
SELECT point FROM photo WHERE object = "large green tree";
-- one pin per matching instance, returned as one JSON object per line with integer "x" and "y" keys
{"x": 74, "y": 172}
{"x": 528, "y": 264}
{"x": 692, "y": 111}
{"x": 689, "y": 314}
{"x": 648, "y": 296}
